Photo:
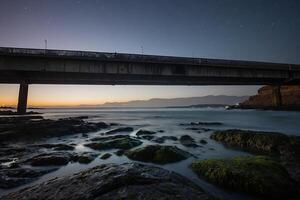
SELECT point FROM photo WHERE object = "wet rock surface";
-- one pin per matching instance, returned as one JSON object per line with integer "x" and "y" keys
{"x": 85, "y": 157}
{"x": 260, "y": 142}
{"x": 127, "y": 181}
{"x": 114, "y": 142}
{"x": 285, "y": 149}
{"x": 105, "y": 156}
{"x": 188, "y": 141}
{"x": 35, "y": 127}
{"x": 49, "y": 159}
{"x": 158, "y": 154}
{"x": 145, "y": 132}
{"x": 257, "y": 175}
{"x": 13, "y": 177}
{"x": 57, "y": 147}
{"x": 10, "y": 112}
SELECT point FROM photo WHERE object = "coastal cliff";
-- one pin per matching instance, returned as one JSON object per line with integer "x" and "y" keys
{"x": 273, "y": 97}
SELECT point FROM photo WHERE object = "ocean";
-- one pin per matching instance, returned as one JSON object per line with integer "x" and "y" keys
{"x": 169, "y": 120}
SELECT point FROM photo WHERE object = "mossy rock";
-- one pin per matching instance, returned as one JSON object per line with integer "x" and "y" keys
{"x": 105, "y": 156}
{"x": 257, "y": 175}
{"x": 85, "y": 157}
{"x": 158, "y": 154}
{"x": 263, "y": 142}
{"x": 115, "y": 142}
{"x": 144, "y": 132}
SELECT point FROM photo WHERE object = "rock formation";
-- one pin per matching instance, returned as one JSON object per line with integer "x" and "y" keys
{"x": 274, "y": 97}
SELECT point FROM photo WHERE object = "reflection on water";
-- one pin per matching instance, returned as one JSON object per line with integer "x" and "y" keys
{"x": 168, "y": 120}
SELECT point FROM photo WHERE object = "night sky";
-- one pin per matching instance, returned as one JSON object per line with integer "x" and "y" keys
{"x": 260, "y": 30}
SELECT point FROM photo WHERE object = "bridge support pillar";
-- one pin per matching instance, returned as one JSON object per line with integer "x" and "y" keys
{"x": 276, "y": 97}
{"x": 23, "y": 94}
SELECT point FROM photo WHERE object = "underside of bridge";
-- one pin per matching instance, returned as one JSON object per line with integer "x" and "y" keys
{"x": 40, "y": 66}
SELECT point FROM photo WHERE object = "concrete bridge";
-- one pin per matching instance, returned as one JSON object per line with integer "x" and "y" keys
{"x": 43, "y": 66}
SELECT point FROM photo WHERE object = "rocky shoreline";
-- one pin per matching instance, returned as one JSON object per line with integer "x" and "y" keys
{"x": 26, "y": 155}
{"x": 126, "y": 181}
{"x": 274, "y": 175}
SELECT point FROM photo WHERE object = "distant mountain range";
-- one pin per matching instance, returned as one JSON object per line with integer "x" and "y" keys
{"x": 180, "y": 102}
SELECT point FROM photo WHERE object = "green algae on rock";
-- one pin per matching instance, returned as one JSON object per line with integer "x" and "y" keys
{"x": 257, "y": 175}
{"x": 105, "y": 156}
{"x": 114, "y": 142}
{"x": 256, "y": 141}
{"x": 158, "y": 154}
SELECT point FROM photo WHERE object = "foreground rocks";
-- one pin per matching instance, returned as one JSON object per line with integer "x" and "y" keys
{"x": 49, "y": 159}
{"x": 114, "y": 142}
{"x": 13, "y": 177}
{"x": 257, "y": 175}
{"x": 35, "y": 127}
{"x": 158, "y": 154}
{"x": 285, "y": 149}
{"x": 111, "y": 182}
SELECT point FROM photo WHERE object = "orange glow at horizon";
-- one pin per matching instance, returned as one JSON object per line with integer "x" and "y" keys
{"x": 76, "y": 95}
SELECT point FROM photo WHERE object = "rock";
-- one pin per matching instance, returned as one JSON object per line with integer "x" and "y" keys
{"x": 202, "y": 141}
{"x": 266, "y": 98}
{"x": 105, "y": 156}
{"x": 119, "y": 130}
{"x": 210, "y": 123}
{"x": 112, "y": 182}
{"x": 119, "y": 152}
{"x": 10, "y": 178}
{"x": 158, "y": 140}
{"x": 257, "y": 175}
{"x": 144, "y": 132}
{"x": 158, "y": 154}
{"x": 57, "y": 147}
{"x": 85, "y": 157}
{"x": 192, "y": 128}
{"x": 170, "y": 138}
{"x": 28, "y": 128}
{"x": 12, "y": 150}
{"x": 261, "y": 142}
{"x": 160, "y": 131}
{"x": 84, "y": 135}
{"x": 114, "y": 124}
{"x": 114, "y": 142}
{"x": 286, "y": 148}
{"x": 187, "y": 141}
{"x": 102, "y": 125}
{"x": 104, "y": 139}
{"x": 48, "y": 159}
{"x": 10, "y": 112}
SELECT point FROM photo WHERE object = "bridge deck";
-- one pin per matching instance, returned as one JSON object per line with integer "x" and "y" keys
{"x": 83, "y": 67}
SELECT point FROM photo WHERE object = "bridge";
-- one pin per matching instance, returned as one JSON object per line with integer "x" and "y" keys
{"x": 42, "y": 66}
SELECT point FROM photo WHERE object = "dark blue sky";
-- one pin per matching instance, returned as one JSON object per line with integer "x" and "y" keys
{"x": 260, "y": 30}
{"x": 266, "y": 30}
